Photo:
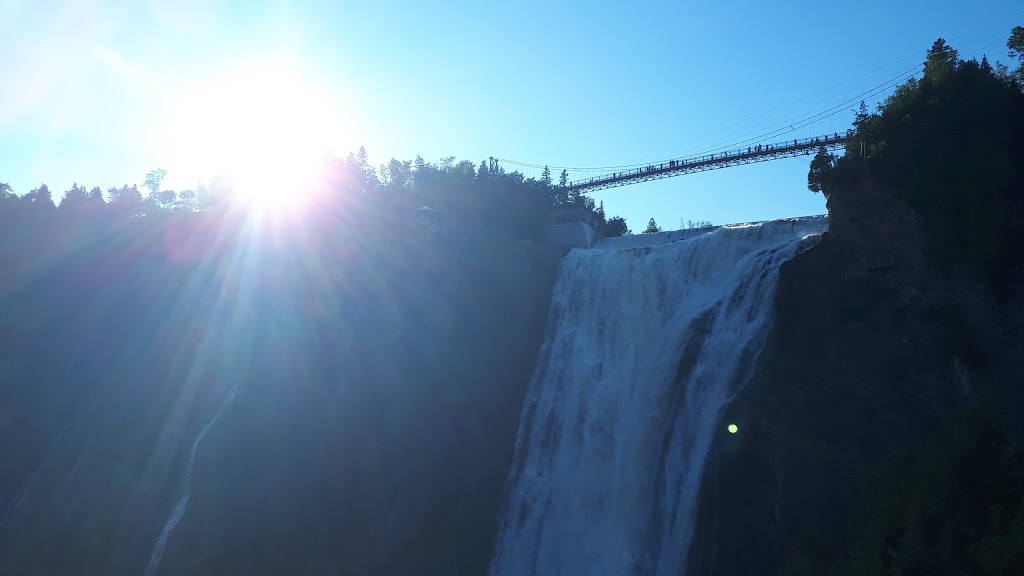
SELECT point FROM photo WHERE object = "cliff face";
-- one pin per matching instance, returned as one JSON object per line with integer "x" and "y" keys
{"x": 869, "y": 352}
{"x": 364, "y": 399}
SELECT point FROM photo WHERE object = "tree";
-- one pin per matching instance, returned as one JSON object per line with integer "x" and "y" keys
{"x": 652, "y": 227}
{"x": 127, "y": 200}
{"x": 985, "y": 64}
{"x": 166, "y": 199}
{"x": 95, "y": 198}
{"x": 821, "y": 167}
{"x": 545, "y": 177}
{"x": 41, "y": 197}
{"x": 947, "y": 145}
{"x": 75, "y": 200}
{"x": 616, "y": 226}
{"x": 862, "y": 115}
{"x": 563, "y": 180}
{"x": 1016, "y": 44}
{"x": 153, "y": 181}
{"x": 1016, "y": 47}
{"x": 1002, "y": 70}
{"x": 482, "y": 173}
{"x": 187, "y": 201}
{"x": 941, "y": 61}
{"x": 6, "y": 192}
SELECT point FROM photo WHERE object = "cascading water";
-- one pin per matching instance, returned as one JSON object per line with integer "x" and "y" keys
{"x": 649, "y": 338}
{"x": 179, "y": 510}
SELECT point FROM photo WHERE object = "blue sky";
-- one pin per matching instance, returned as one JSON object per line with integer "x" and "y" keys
{"x": 100, "y": 92}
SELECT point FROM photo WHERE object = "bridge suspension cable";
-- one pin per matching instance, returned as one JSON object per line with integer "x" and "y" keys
{"x": 706, "y": 162}
{"x": 791, "y": 127}
{"x": 774, "y": 129}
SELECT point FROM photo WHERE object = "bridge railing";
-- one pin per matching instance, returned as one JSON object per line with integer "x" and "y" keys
{"x": 726, "y": 157}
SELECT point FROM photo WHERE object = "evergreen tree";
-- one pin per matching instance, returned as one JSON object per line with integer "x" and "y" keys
{"x": 126, "y": 200}
{"x": 363, "y": 160}
{"x": 941, "y": 61}
{"x": 75, "y": 200}
{"x": 563, "y": 180}
{"x": 862, "y": 115}
{"x": 6, "y": 192}
{"x": 482, "y": 173}
{"x": 41, "y": 197}
{"x": 652, "y": 227}
{"x": 95, "y": 197}
{"x": 545, "y": 177}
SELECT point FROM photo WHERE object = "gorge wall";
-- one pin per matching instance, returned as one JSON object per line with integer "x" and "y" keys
{"x": 202, "y": 400}
{"x": 873, "y": 359}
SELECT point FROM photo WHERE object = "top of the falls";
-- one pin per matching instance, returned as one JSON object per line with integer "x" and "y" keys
{"x": 643, "y": 240}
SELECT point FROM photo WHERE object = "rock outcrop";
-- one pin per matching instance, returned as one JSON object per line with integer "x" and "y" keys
{"x": 869, "y": 350}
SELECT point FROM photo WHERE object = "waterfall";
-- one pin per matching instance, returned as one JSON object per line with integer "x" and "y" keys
{"x": 179, "y": 509}
{"x": 649, "y": 337}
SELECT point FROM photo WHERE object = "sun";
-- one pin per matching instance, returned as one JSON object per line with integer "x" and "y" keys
{"x": 266, "y": 128}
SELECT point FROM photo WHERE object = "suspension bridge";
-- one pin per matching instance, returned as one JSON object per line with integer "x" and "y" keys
{"x": 831, "y": 114}
{"x": 724, "y": 159}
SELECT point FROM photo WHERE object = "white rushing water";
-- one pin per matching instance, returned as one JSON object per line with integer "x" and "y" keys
{"x": 649, "y": 338}
{"x": 179, "y": 509}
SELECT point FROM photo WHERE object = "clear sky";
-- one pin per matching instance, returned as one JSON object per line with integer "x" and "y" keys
{"x": 100, "y": 92}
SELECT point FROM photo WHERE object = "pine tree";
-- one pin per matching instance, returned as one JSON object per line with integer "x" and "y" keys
{"x": 563, "y": 180}
{"x": 652, "y": 227}
{"x": 941, "y": 61}
{"x": 545, "y": 177}
{"x": 127, "y": 200}
{"x": 75, "y": 200}
{"x": 95, "y": 200}
{"x": 862, "y": 115}
{"x": 41, "y": 197}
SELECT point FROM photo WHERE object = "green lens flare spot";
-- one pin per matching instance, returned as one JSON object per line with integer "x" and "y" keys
{"x": 733, "y": 428}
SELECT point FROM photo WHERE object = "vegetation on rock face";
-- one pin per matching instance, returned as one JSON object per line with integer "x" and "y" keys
{"x": 949, "y": 145}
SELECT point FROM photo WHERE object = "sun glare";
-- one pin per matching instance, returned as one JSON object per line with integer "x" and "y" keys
{"x": 265, "y": 128}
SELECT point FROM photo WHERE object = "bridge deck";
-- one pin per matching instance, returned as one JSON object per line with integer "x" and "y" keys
{"x": 667, "y": 169}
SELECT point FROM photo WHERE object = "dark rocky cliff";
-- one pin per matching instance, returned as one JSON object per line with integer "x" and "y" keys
{"x": 870, "y": 356}
{"x": 379, "y": 380}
